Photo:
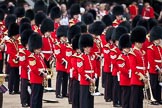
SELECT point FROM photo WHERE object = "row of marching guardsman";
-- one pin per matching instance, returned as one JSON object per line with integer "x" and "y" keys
{"x": 33, "y": 52}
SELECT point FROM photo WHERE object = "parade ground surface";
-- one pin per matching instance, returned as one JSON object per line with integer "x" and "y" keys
{"x": 13, "y": 101}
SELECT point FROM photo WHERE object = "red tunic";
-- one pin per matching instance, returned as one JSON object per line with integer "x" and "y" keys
{"x": 154, "y": 56}
{"x": 86, "y": 68}
{"x": 12, "y": 50}
{"x": 116, "y": 23}
{"x": 69, "y": 53}
{"x": 73, "y": 22}
{"x": 23, "y": 62}
{"x": 60, "y": 53}
{"x": 138, "y": 64}
{"x": 36, "y": 65}
{"x": 124, "y": 69}
{"x": 114, "y": 53}
{"x": 47, "y": 48}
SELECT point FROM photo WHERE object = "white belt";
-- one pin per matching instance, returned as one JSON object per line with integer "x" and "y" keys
{"x": 47, "y": 52}
{"x": 158, "y": 61}
{"x": 140, "y": 68}
{"x": 89, "y": 71}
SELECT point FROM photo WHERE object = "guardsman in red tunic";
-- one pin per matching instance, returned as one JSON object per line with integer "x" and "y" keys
{"x": 118, "y": 12}
{"x": 39, "y": 17}
{"x": 38, "y": 70}
{"x": 138, "y": 66}
{"x": 147, "y": 11}
{"x": 74, "y": 12}
{"x": 85, "y": 65}
{"x": 124, "y": 69}
{"x": 23, "y": 63}
{"x": 96, "y": 30}
{"x": 74, "y": 73}
{"x": 114, "y": 53}
{"x": 12, "y": 50}
{"x": 47, "y": 48}
{"x": 108, "y": 84}
{"x": 154, "y": 56}
{"x": 61, "y": 62}
{"x": 73, "y": 31}
{"x": 55, "y": 15}
{"x": 133, "y": 10}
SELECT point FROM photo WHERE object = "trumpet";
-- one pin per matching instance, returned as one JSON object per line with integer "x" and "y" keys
{"x": 150, "y": 90}
{"x": 147, "y": 85}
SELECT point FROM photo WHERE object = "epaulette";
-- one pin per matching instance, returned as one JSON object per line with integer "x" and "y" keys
{"x": 107, "y": 46}
{"x": 8, "y": 41}
{"x": 80, "y": 57}
{"x": 57, "y": 44}
{"x": 69, "y": 46}
{"x": 21, "y": 51}
{"x": 113, "y": 49}
{"x": 6, "y": 32}
{"x": 150, "y": 47}
{"x": 31, "y": 56}
{"x": 115, "y": 21}
{"x": 148, "y": 36}
{"x": 120, "y": 57}
{"x": 132, "y": 53}
{"x": 74, "y": 55}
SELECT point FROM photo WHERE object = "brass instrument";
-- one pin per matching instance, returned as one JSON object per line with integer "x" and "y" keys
{"x": 92, "y": 87}
{"x": 147, "y": 85}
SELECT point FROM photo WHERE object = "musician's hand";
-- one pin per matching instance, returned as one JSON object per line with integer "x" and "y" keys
{"x": 93, "y": 80}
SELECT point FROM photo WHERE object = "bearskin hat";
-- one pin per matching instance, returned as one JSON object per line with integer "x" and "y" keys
{"x": 109, "y": 33}
{"x": 85, "y": 40}
{"x": 50, "y": 7}
{"x": 152, "y": 22}
{"x": 82, "y": 26}
{"x": 11, "y": 18}
{"x": 19, "y": 12}
{"x": 13, "y": 29}
{"x": 156, "y": 33}
{"x": 135, "y": 20}
{"x": 107, "y": 20}
{"x": 25, "y": 36}
{"x": 62, "y": 31}
{"x": 93, "y": 12}
{"x": 35, "y": 41}
{"x": 138, "y": 34}
{"x": 11, "y": 9}
{"x": 47, "y": 25}
{"x": 40, "y": 6}
{"x": 87, "y": 18}
{"x": 39, "y": 17}
{"x": 1, "y": 15}
{"x": 118, "y": 10}
{"x": 55, "y": 13}
{"x": 126, "y": 24}
{"x": 120, "y": 30}
{"x": 24, "y": 27}
{"x": 124, "y": 41}
{"x": 30, "y": 14}
{"x": 74, "y": 9}
{"x": 75, "y": 42}
{"x": 73, "y": 30}
{"x": 25, "y": 20}
{"x": 143, "y": 23}
{"x": 96, "y": 28}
